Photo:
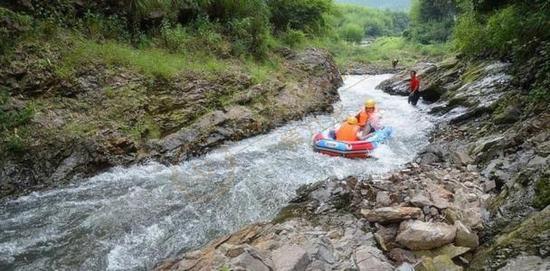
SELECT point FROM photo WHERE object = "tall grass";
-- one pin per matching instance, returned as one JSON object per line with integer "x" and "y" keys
{"x": 153, "y": 61}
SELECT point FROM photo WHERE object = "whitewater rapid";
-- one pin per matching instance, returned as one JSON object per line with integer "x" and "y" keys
{"x": 130, "y": 218}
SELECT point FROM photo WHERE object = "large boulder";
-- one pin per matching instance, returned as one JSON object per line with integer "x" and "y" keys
{"x": 419, "y": 235}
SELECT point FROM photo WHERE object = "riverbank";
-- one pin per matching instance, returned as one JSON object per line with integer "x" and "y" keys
{"x": 105, "y": 116}
{"x": 475, "y": 198}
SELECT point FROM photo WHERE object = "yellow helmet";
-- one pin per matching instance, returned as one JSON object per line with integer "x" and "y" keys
{"x": 370, "y": 103}
{"x": 352, "y": 120}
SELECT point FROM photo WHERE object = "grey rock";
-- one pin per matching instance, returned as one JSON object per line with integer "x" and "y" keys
{"x": 460, "y": 157}
{"x": 420, "y": 200}
{"x": 383, "y": 198}
{"x": 527, "y": 263}
{"x": 290, "y": 258}
{"x": 369, "y": 258}
{"x": 465, "y": 237}
{"x": 419, "y": 235}
{"x": 400, "y": 255}
{"x": 251, "y": 259}
{"x": 489, "y": 185}
{"x": 385, "y": 236}
{"x": 391, "y": 214}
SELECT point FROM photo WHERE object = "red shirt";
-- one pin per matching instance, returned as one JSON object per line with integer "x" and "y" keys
{"x": 414, "y": 84}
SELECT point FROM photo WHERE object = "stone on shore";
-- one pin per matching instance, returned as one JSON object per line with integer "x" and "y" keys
{"x": 419, "y": 235}
{"x": 391, "y": 214}
{"x": 438, "y": 263}
{"x": 290, "y": 258}
{"x": 465, "y": 237}
{"x": 369, "y": 258}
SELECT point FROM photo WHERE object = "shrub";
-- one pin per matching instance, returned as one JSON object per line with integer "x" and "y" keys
{"x": 503, "y": 29}
{"x": 175, "y": 38}
{"x": 98, "y": 26}
{"x": 470, "y": 36}
{"x": 293, "y": 37}
{"x": 13, "y": 142}
{"x": 352, "y": 33}
{"x": 249, "y": 35}
{"x": 304, "y": 15}
{"x": 13, "y": 26}
{"x": 432, "y": 21}
{"x": 207, "y": 36}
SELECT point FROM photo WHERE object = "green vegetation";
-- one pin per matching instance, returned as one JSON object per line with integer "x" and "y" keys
{"x": 400, "y": 5}
{"x": 514, "y": 30}
{"x": 153, "y": 61}
{"x": 10, "y": 119}
{"x": 353, "y": 23}
{"x": 431, "y": 21}
{"x": 542, "y": 192}
{"x": 383, "y": 50}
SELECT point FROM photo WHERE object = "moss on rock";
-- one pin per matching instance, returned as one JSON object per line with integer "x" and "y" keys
{"x": 531, "y": 237}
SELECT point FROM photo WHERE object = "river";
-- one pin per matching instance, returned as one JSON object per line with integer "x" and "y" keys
{"x": 130, "y": 218}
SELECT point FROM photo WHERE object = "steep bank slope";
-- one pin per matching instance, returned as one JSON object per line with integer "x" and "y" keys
{"x": 105, "y": 115}
{"x": 475, "y": 198}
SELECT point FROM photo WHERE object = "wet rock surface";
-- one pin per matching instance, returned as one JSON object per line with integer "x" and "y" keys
{"x": 107, "y": 118}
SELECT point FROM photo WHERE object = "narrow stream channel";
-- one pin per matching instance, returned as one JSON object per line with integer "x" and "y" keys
{"x": 130, "y": 218}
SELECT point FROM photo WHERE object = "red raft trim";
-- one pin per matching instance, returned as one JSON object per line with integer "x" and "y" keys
{"x": 357, "y": 149}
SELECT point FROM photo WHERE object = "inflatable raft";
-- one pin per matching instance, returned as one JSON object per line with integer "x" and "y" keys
{"x": 326, "y": 143}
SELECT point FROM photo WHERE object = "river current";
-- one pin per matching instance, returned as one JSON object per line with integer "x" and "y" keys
{"x": 131, "y": 218}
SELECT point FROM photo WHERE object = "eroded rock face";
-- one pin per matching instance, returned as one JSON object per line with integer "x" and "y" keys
{"x": 418, "y": 235}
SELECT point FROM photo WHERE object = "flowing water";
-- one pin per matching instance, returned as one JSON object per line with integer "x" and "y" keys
{"x": 130, "y": 218}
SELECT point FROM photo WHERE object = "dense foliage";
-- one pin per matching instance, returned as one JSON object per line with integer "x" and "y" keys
{"x": 236, "y": 27}
{"x": 353, "y": 23}
{"x": 432, "y": 21}
{"x": 399, "y": 5}
{"x": 514, "y": 30}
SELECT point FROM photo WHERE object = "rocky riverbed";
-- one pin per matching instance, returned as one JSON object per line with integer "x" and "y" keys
{"x": 476, "y": 198}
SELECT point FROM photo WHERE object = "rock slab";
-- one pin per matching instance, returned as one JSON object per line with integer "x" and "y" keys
{"x": 391, "y": 214}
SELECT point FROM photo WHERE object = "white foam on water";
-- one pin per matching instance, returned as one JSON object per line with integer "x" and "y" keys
{"x": 130, "y": 218}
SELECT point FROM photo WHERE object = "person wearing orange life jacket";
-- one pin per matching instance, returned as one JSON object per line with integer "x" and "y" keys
{"x": 349, "y": 130}
{"x": 368, "y": 118}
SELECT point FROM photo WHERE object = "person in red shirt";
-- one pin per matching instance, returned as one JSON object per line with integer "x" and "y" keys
{"x": 414, "y": 89}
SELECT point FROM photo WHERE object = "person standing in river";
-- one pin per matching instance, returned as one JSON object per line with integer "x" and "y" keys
{"x": 414, "y": 88}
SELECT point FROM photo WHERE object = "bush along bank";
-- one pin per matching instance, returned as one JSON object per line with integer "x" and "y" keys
{"x": 475, "y": 198}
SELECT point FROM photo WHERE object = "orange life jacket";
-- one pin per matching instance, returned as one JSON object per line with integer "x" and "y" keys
{"x": 362, "y": 118}
{"x": 347, "y": 132}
